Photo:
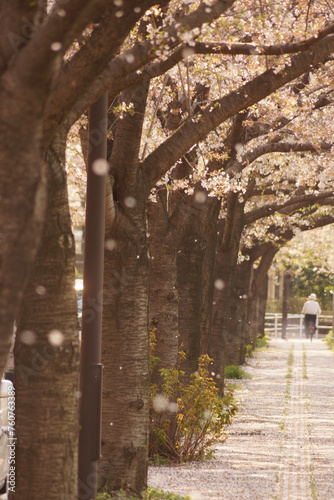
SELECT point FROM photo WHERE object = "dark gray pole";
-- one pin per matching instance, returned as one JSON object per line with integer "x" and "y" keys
{"x": 333, "y": 314}
{"x": 286, "y": 293}
{"x": 90, "y": 361}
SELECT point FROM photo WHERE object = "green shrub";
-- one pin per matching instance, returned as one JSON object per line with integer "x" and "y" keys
{"x": 188, "y": 418}
{"x": 262, "y": 342}
{"x": 249, "y": 351}
{"x": 329, "y": 340}
{"x": 235, "y": 372}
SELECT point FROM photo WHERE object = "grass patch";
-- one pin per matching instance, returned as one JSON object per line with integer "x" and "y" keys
{"x": 233, "y": 386}
{"x": 261, "y": 342}
{"x": 290, "y": 358}
{"x": 235, "y": 372}
{"x": 304, "y": 366}
{"x": 150, "y": 494}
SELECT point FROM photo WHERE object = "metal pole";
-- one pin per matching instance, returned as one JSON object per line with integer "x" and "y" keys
{"x": 90, "y": 361}
{"x": 333, "y": 315}
{"x": 285, "y": 306}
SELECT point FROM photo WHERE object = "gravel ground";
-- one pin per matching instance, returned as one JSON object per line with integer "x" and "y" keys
{"x": 281, "y": 443}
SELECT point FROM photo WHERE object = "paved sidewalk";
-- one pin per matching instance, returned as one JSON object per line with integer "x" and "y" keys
{"x": 281, "y": 444}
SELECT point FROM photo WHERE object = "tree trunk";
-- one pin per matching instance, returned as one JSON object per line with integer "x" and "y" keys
{"x": 125, "y": 341}
{"x": 189, "y": 278}
{"x": 163, "y": 305}
{"x": 261, "y": 307}
{"x": 195, "y": 265}
{"x": 125, "y": 358}
{"x": 236, "y": 323}
{"x": 258, "y": 295}
{"x": 22, "y": 202}
{"x": 47, "y": 356}
{"x": 226, "y": 262}
{"x": 208, "y": 285}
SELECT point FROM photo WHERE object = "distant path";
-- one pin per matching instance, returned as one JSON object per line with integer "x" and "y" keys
{"x": 281, "y": 444}
{"x": 296, "y": 476}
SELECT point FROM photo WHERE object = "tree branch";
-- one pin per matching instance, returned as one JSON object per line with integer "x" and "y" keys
{"x": 61, "y": 26}
{"x": 292, "y": 205}
{"x": 93, "y": 80}
{"x": 274, "y": 147}
{"x": 191, "y": 132}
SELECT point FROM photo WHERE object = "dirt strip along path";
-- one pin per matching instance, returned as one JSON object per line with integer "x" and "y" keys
{"x": 281, "y": 444}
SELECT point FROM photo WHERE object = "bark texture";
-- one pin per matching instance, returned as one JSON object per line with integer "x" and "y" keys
{"x": 226, "y": 261}
{"x": 163, "y": 304}
{"x": 125, "y": 312}
{"x": 195, "y": 266}
{"x": 47, "y": 356}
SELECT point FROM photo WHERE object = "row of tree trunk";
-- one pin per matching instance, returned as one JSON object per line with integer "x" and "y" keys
{"x": 172, "y": 265}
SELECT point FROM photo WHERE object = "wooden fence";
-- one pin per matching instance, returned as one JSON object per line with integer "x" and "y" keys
{"x": 295, "y": 325}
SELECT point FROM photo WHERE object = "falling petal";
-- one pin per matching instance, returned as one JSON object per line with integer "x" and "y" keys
{"x": 172, "y": 407}
{"x": 207, "y": 415}
{"x": 28, "y": 337}
{"x": 200, "y": 197}
{"x": 100, "y": 167}
{"x": 55, "y": 46}
{"x": 130, "y": 58}
{"x": 40, "y": 290}
{"x": 160, "y": 403}
{"x": 130, "y": 202}
{"x": 110, "y": 244}
{"x": 187, "y": 51}
{"x": 219, "y": 284}
{"x": 55, "y": 338}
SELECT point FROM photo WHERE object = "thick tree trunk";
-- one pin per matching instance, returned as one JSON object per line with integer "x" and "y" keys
{"x": 226, "y": 262}
{"x": 208, "y": 285}
{"x": 22, "y": 204}
{"x": 236, "y": 320}
{"x": 189, "y": 278}
{"x": 125, "y": 358}
{"x": 258, "y": 309}
{"x": 261, "y": 309}
{"x": 125, "y": 343}
{"x": 163, "y": 305}
{"x": 258, "y": 294}
{"x": 195, "y": 265}
{"x": 47, "y": 357}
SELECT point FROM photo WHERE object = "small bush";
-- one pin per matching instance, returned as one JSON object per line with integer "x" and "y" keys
{"x": 235, "y": 372}
{"x": 188, "y": 419}
{"x": 262, "y": 342}
{"x": 249, "y": 350}
{"x": 329, "y": 340}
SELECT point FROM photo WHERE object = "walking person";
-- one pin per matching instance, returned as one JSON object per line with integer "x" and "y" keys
{"x": 311, "y": 309}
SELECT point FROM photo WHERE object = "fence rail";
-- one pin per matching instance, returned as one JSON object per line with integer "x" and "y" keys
{"x": 295, "y": 325}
